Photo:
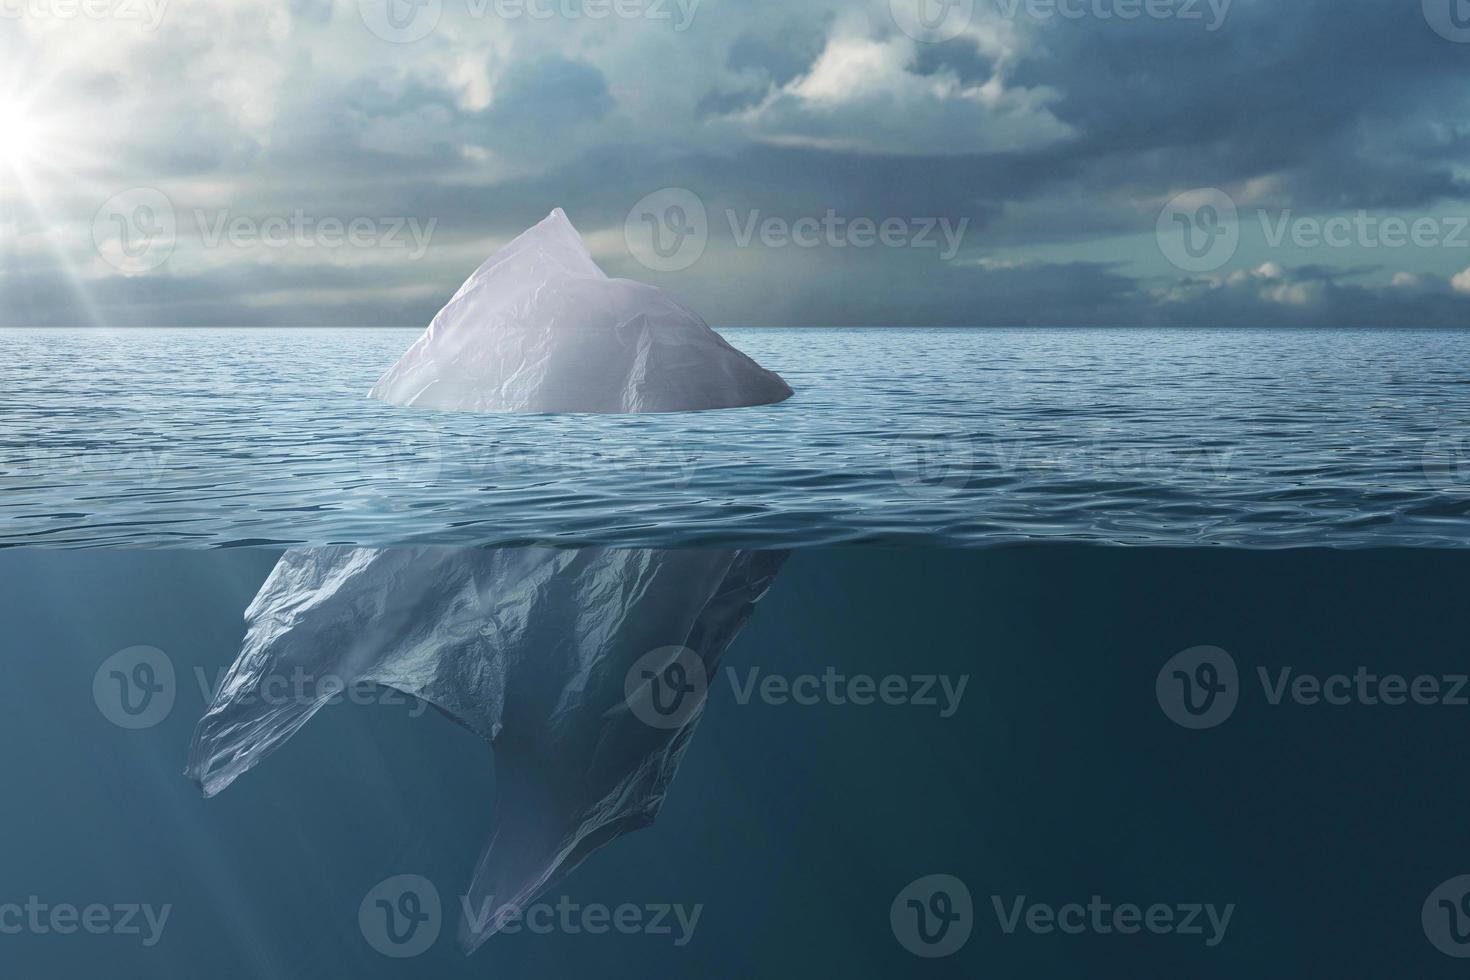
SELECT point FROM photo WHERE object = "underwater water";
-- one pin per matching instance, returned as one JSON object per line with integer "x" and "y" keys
{"x": 1225, "y": 750}
{"x": 1056, "y": 774}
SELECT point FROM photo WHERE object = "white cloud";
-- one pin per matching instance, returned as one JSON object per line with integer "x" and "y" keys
{"x": 867, "y": 93}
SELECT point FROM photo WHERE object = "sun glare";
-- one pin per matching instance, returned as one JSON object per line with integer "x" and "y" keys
{"x": 20, "y": 136}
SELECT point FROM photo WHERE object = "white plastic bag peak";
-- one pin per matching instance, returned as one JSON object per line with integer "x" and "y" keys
{"x": 540, "y": 328}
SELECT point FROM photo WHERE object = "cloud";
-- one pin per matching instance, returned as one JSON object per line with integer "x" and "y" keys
{"x": 1053, "y": 139}
{"x": 868, "y": 94}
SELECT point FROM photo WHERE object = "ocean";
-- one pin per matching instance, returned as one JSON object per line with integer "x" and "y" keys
{"x": 932, "y": 438}
{"x": 1071, "y": 653}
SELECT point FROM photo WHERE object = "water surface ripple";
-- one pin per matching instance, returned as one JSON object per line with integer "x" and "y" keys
{"x": 959, "y": 438}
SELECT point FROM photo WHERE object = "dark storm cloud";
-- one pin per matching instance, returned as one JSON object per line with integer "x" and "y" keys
{"x": 1045, "y": 137}
{"x": 1348, "y": 100}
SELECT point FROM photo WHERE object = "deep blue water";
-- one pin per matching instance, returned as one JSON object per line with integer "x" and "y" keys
{"x": 954, "y": 438}
{"x": 795, "y": 827}
{"x": 1118, "y": 727}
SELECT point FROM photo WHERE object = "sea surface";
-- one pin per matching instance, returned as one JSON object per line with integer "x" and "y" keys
{"x": 1233, "y": 684}
{"x": 1250, "y": 438}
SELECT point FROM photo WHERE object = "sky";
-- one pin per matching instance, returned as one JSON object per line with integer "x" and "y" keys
{"x": 879, "y": 163}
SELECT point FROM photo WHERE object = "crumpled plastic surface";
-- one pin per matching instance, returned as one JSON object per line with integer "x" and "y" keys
{"x": 529, "y": 648}
{"x": 540, "y": 328}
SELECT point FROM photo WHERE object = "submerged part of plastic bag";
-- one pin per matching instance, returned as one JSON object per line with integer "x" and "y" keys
{"x": 540, "y": 328}
{"x": 586, "y": 670}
